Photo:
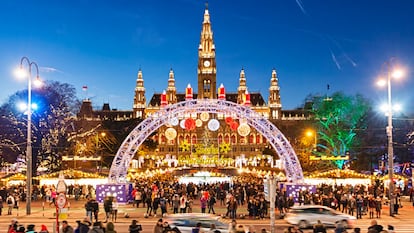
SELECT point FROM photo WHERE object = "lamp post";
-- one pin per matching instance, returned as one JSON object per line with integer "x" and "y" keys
{"x": 29, "y": 128}
{"x": 312, "y": 133}
{"x": 391, "y": 73}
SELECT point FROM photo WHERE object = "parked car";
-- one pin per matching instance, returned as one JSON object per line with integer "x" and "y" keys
{"x": 186, "y": 222}
{"x": 307, "y": 215}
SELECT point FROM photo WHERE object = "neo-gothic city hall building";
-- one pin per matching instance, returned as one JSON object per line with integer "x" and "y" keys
{"x": 224, "y": 142}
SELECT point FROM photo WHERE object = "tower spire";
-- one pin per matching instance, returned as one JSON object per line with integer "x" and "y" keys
{"x": 275, "y": 104}
{"x": 139, "y": 98}
{"x": 206, "y": 60}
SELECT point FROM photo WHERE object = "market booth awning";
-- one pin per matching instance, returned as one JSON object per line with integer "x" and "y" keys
{"x": 339, "y": 176}
{"x": 72, "y": 177}
{"x": 13, "y": 179}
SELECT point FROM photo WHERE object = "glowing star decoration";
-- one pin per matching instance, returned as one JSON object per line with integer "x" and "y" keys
{"x": 182, "y": 124}
{"x": 243, "y": 129}
{"x": 204, "y": 116}
{"x": 225, "y": 148}
{"x": 170, "y": 133}
{"x": 213, "y": 125}
{"x": 199, "y": 123}
{"x": 174, "y": 121}
{"x": 185, "y": 146}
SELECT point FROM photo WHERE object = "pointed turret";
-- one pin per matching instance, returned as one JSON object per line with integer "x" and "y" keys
{"x": 139, "y": 98}
{"x": 206, "y": 70}
{"x": 275, "y": 105}
{"x": 163, "y": 99}
{"x": 241, "y": 90}
{"x": 247, "y": 98}
{"x": 189, "y": 92}
{"x": 171, "y": 89}
{"x": 221, "y": 92}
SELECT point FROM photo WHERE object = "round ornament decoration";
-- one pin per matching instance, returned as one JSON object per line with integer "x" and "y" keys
{"x": 229, "y": 120}
{"x": 170, "y": 133}
{"x": 189, "y": 124}
{"x": 234, "y": 125}
{"x": 174, "y": 121}
{"x": 243, "y": 129}
{"x": 199, "y": 123}
{"x": 204, "y": 116}
{"x": 213, "y": 125}
{"x": 182, "y": 124}
{"x": 243, "y": 121}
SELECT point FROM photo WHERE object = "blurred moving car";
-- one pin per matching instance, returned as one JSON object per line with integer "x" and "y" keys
{"x": 307, "y": 215}
{"x": 186, "y": 222}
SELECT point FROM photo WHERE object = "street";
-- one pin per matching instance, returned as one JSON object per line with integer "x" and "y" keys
{"x": 44, "y": 214}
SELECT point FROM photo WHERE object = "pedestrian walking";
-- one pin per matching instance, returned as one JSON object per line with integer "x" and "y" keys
{"x": 10, "y": 204}
{"x": 319, "y": 227}
{"x": 66, "y": 228}
{"x": 114, "y": 212}
{"x": 134, "y": 227}
{"x": 110, "y": 228}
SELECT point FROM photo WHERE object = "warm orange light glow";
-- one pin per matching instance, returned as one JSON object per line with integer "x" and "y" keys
{"x": 310, "y": 133}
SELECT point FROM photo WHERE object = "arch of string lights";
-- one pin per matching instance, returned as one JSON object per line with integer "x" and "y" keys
{"x": 276, "y": 139}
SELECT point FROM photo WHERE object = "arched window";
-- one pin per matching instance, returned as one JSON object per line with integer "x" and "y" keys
{"x": 233, "y": 139}
{"x": 220, "y": 139}
{"x": 227, "y": 138}
{"x": 258, "y": 138}
{"x": 194, "y": 139}
{"x": 251, "y": 139}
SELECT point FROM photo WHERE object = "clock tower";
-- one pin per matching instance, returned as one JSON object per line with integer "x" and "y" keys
{"x": 206, "y": 70}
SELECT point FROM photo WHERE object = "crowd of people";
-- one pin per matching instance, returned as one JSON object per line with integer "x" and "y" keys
{"x": 164, "y": 195}
{"x": 84, "y": 226}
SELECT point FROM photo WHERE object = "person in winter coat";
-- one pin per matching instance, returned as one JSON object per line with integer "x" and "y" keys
{"x": 134, "y": 227}
{"x": 66, "y": 228}
{"x": 110, "y": 228}
{"x": 319, "y": 227}
{"x": 10, "y": 204}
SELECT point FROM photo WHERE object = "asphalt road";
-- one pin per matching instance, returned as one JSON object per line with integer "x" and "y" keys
{"x": 45, "y": 214}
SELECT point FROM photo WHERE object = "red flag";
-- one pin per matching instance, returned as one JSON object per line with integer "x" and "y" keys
{"x": 84, "y": 88}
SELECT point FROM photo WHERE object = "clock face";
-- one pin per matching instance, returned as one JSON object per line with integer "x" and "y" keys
{"x": 206, "y": 63}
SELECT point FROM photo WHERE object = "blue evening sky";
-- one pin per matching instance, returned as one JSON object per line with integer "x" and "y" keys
{"x": 311, "y": 43}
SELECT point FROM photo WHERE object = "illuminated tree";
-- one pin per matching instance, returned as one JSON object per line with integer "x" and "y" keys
{"x": 337, "y": 119}
{"x": 51, "y": 124}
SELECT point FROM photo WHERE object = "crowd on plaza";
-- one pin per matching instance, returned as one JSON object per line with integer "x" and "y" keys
{"x": 242, "y": 198}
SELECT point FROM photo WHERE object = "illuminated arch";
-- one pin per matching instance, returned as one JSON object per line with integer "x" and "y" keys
{"x": 276, "y": 139}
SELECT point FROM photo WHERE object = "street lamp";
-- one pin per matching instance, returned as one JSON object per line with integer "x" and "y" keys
{"x": 391, "y": 73}
{"x": 312, "y": 133}
{"x": 29, "y": 158}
